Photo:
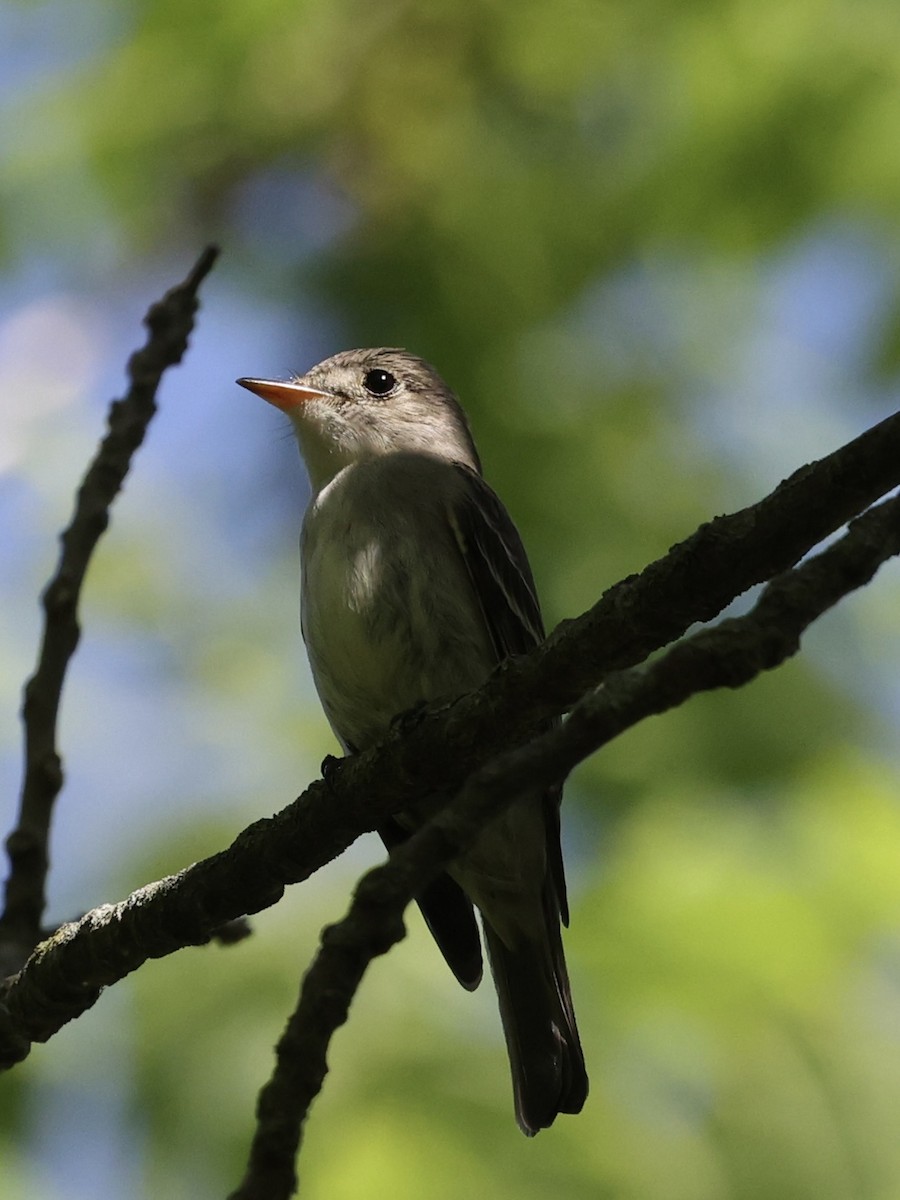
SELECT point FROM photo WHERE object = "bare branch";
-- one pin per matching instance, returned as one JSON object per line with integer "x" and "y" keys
{"x": 728, "y": 655}
{"x": 437, "y": 753}
{"x": 169, "y": 322}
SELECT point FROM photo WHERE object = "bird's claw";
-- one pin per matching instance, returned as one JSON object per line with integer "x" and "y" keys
{"x": 330, "y": 766}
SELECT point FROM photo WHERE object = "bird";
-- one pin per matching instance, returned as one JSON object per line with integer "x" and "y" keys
{"x": 414, "y": 585}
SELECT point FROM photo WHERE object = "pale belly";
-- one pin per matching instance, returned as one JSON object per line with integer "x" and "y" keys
{"x": 385, "y": 634}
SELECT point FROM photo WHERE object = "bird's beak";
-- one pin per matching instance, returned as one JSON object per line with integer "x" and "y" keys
{"x": 283, "y": 394}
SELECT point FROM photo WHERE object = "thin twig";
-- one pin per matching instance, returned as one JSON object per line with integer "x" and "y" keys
{"x": 169, "y": 322}
{"x": 728, "y": 655}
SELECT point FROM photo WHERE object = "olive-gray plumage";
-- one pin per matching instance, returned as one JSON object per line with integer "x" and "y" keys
{"x": 415, "y": 585}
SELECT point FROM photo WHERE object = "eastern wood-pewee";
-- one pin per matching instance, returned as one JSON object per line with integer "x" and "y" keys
{"x": 415, "y": 585}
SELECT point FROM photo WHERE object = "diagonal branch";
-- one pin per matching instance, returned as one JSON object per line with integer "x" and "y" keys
{"x": 169, "y": 322}
{"x": 728, "y": 655}
{"x": 700, "y": 576}
{"x": 696, "y": 578}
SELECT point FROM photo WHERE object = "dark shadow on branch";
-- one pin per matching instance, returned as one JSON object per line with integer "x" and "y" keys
{"x": 169, "y": 322}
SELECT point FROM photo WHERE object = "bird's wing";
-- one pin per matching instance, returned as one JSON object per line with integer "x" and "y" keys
{"x": 497, "y": 565}
{"x": 504, "y": 587}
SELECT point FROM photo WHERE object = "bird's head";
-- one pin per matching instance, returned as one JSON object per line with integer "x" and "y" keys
{"x": 363, "y": 403}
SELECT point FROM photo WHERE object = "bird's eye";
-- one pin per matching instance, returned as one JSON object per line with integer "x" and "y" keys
{"x": 379, "y": 383}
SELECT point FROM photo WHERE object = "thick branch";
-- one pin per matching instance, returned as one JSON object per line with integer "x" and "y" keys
{"x": 169, "y": 322}
{"x": 65, "y": 976}
{"x": 728, "y": 655}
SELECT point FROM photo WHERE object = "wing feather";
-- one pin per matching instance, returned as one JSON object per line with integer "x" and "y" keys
{"x": 504, "y": 588}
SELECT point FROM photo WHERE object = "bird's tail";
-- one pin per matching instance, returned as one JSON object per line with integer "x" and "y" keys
{"x": 545, "y": 1054}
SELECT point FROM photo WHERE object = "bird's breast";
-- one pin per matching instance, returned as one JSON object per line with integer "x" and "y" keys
{"x": 388, "y": 615}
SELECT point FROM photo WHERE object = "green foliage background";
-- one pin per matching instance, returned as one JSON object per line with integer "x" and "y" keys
{"x": 581, "y": 213}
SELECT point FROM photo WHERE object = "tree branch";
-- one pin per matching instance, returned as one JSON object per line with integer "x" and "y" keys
{"x": 700, "y": 576}
{"x": 169, "y": 322}
{"x": 728, "y": 655}
{"x": 438, "y": 752}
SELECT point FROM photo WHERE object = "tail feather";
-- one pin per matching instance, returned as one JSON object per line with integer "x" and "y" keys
{"x": 545, "y": 1054}
{"x": 448, "y": 914}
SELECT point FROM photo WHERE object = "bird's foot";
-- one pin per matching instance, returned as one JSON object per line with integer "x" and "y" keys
{"x": 330, "y": 766}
